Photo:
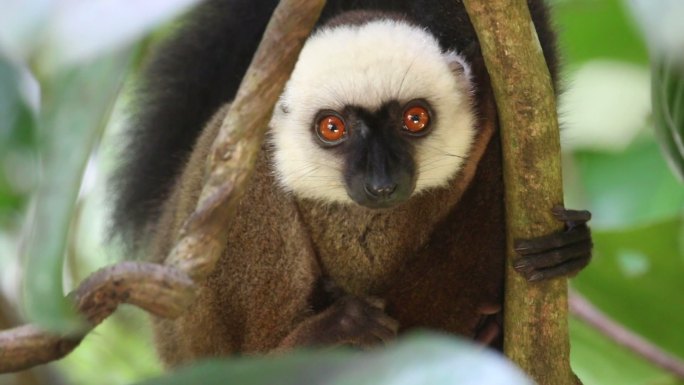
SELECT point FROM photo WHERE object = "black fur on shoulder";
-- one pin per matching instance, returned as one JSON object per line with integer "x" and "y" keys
{"x": 185, "y": 81}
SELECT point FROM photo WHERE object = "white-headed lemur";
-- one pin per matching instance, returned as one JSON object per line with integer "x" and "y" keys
{"x": 377, "y": 202}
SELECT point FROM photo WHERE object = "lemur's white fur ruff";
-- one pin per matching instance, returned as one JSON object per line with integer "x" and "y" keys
{"x": 368, "y": 65}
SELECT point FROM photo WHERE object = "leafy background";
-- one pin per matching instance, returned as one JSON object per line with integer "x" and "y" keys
{"x": 62, "y": 106}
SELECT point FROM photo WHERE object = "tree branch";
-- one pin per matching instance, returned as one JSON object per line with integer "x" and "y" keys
{"x": 535, "y": 318}
{"x": 167, "y": 291}
{"x": 159, "y": 289}
{"x": 234, "y": 153}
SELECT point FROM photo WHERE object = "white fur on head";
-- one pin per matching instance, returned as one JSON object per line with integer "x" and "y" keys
{"x": 366, "y": 66}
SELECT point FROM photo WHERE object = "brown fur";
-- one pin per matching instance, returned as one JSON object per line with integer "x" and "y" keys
{"x": 297, "y": 272}
{"x": 260, "y": 287}
{"x": 436, "y": 260}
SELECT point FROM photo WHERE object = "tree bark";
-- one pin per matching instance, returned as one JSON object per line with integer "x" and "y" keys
{"x": 161, "y": 290}
{"x": 34, "y": 376}
{"x": 535, "y": 313}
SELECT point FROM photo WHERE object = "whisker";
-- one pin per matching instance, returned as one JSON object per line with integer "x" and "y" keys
{"x": 442, "y": 151}
{"x": 403, "y": 79}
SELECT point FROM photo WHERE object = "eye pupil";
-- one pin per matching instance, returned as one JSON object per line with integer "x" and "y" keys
{"x": 331, "y": 129}
{"x": 416, "y": 119}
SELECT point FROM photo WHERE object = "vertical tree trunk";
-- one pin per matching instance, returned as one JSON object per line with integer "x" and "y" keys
{"x": 535, "y": 313}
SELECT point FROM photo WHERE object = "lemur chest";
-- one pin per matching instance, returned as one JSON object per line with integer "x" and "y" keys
{"x": 361, "y": 250}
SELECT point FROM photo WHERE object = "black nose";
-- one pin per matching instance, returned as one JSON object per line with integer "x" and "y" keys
{"x": 383, "y": 190}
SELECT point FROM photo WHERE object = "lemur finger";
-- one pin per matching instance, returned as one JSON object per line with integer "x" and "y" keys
{"x": 489, "y": 308}
{"x": 383, "y": 320}
{"x": 566, "y": 215}
{"x": 552, "y": 241}
{"x": 552, "y": 258}
{"x": 567, "y": 269}
{"x": 488, "y": 332}
{"x": 385, "y": 335}
{"x": 376, "y": 302}
{"x": 389, "y": 323}
{"x": 362, "y": 341}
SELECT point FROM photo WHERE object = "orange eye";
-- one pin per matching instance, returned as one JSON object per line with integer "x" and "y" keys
{"x": 331, "y": 128}
{"x": 416, "y": 119}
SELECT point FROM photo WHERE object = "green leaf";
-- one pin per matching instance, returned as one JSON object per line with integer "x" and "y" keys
{"x": 17, "y": 138}
{"x": 661, "y": 24}
{"x": 79, "y": 86}
{"x": 76, "y": 104}
{"x": 668, "y": 110}
{"x": 636, "y": 278}
{"x": 598, "y": 361}
{"x": 597, "y": 29}
{"x": 419, "y": 359}
{"x": 623, "y": 190}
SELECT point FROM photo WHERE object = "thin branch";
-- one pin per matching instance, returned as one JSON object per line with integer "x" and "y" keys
{"x": 234, "y": 153}
{"x": 167, "y": 291}
{"x": 535, "y": 314}
{"x": 584, "y": 310}
{"x": 34, "y": 376}
{"x": 161, "y": 290}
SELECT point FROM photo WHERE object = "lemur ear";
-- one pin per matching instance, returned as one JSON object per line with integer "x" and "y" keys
{"x": 458, "y": 65}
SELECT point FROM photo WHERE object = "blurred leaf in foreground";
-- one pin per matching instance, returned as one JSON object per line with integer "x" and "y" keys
{"x": 79, "y": 31}
{"x": 418, "y": 359}
{"x": 81, "y": 56}
{"x": 76, "y": 108}
{"x": 17, "y": 138}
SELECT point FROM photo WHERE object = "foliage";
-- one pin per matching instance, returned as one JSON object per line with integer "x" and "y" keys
{"x": 61, "y": 68}
{"x": 17, "y": 141}
{"x": 662, "y": 27}
{"x": 636, "y": 201}
{"x": 417, "y": 359}
{"x": 668, "y": 102}
{"x": 74, "y": 66}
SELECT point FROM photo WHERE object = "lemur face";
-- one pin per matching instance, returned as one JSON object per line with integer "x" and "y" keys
{"x": 372, "y": 114}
